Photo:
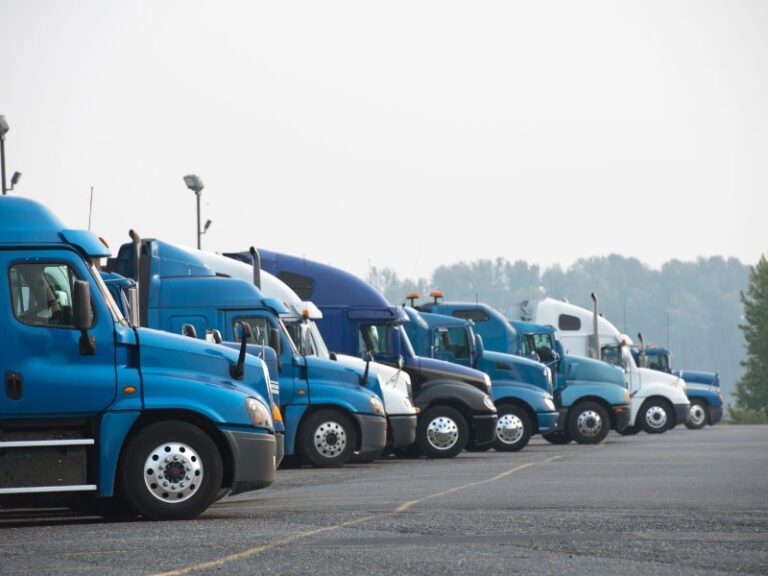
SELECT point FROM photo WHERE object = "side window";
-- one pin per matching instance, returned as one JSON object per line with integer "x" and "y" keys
{"x": 259, "y": 329}
{"x": 374, "y": 338}
{"x": 568, "y": 322}
{"x": 543, "y": 347}
{"x": 477, "y": 315}
{"x": 451, "y": 341}
{"x": 41, "y": 293}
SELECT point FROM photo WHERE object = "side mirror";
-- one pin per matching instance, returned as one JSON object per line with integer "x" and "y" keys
{"x": 277, "y": 344}
{"x": 82, "y": 313}
{"x": 237, "y": 371}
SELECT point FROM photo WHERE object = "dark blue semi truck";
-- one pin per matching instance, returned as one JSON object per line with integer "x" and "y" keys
{"x": 456, "y": 407}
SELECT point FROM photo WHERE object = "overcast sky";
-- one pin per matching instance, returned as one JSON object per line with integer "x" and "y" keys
{"x": 402, "y": 135}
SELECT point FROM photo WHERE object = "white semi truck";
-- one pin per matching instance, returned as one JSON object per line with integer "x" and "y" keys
{"x": 299, "y": 320}
{"x": 658, "y": 400}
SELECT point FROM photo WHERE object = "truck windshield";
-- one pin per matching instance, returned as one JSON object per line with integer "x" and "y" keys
{"x": 307, "y": 337}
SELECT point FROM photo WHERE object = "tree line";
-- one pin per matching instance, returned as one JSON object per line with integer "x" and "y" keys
{"x": 693, "y": 308}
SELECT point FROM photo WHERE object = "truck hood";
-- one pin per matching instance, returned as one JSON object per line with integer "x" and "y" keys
{"x": 395, "y": 384}
{"x": 175, "y": 356}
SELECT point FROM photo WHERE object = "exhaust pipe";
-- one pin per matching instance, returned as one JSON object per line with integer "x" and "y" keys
{"x": 594, "y": 338}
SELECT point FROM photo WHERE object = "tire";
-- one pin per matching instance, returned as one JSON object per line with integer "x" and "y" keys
{"x": 629, "y": 431}
{"x": 656, "y": 416}
{"x": 441, "y": 432}
{"x": 558, "y": 437}
{"x": 513, "y": 429}
{"x": 698, "y": 415}
{"x": 151, "y": 468}
{"x": 588, "y": 423}
{"x": 327, "y": 439}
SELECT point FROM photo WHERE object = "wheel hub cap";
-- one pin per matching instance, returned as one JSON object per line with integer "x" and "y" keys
{"x": 442, "y": 433}
{"x": 330, "y": 439}
{"x": 509, "y": 429}
{"x": 656, "y": 417}
{"x": 173, "y": 472}
{"x": 697, "y": 414}
{"x": 589, "y": 423}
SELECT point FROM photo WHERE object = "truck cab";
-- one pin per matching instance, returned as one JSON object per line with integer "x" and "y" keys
{"x": 299, "y": 318}
{"x": 456, "y": 408}
{"x": 590, "y": 395}
{"x": 658, "y": 400}
{"x": 101, "y": 414}
{"x": 702, "y": 388}
{"x": 521, "y": 388}
{"x": 331, "y": 412}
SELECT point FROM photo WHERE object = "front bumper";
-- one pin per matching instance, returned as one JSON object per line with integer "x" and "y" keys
{"x": 373, "y": 435}
{"x": 682, "y": 413}
{"x": 254, "y": 460}
{"x": 401, "y": 430}
{"x": 483, "y": 429}
{"x": 621, "y": 416}
{"x": 549, "y": 421}
{"x": 715, "y": 414}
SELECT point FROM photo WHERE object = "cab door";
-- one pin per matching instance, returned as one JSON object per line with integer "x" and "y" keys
{"x": 43, "y": 369}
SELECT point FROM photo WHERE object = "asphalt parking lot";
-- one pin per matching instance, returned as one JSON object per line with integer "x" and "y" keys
{"x": 684, "y": 502}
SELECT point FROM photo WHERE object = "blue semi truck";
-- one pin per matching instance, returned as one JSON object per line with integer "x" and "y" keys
{"x": 522, "y": 388}
{"x": 100, "y": 414}
{"x": 331, "y": 412}
{"x": 590, "y": 394}
{"x": 456, "y": 407}
{"x": 299, "y": 321}
{"x": 702, "y": 388}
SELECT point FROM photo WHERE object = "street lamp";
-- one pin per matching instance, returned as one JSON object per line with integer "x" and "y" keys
{"x": 3, "y": 130}
{"x": 14, "y": 180}
{"x": 195, "y": 184}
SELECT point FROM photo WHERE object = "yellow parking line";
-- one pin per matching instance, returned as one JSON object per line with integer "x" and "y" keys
{"x": 402, "y": 508}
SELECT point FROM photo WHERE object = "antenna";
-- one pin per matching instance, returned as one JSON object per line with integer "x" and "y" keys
{"x": 90, "y": 209}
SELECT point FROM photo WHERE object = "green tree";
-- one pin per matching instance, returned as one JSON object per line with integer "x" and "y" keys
{"x": 752, "y": 389}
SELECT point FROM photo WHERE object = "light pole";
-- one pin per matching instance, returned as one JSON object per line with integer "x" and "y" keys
{"x": 3, "y": 130}
{"x": 195, "y": 184}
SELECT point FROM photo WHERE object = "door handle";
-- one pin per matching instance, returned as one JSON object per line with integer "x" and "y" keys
{"x": 14, "y": 384}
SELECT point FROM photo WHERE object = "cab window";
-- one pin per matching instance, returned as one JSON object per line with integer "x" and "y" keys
{"x": 452, "y": 341}
{"x": 374, "y": 338}
{"x": 41, "y": 293}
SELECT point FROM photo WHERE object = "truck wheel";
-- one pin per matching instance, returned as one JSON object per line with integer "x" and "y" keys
{"x": 698, "y": 415}
{"x": 588, "y": 423}
{"x": 441, "y": 432}
{"x": 327, "y": 439}
{"x": 170, "y": 471}
{"x": 655, "y": 416}
{"x": 558, "y": 437}
{"x": 513, "y": 429}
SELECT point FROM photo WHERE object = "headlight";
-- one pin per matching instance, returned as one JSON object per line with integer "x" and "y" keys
{"x": 550, "y": 404}
{"x": 489, "y": 404}
{"x": 627, "y": 397}
{"x": 259, "y": 414}
{"x": 488, "y": 386}
{"x": 376, "y": 406}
